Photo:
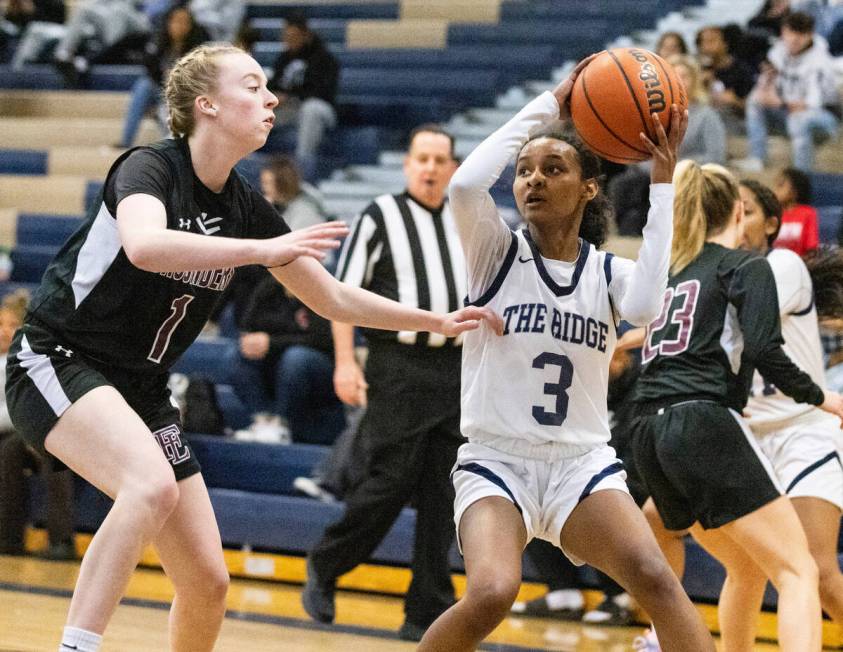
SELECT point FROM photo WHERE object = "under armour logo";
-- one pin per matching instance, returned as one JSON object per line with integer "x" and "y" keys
{"x": 169, "y": 440}
{"x": 204, "y": 224}
{"x": 61, "y": 349}
{"x": 184, "y": 224}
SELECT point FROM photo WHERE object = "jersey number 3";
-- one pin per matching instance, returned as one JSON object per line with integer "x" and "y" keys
{"x": 557, "y": 390}
{"x": 682, "y": 317}
{"x": 162, "y": 338}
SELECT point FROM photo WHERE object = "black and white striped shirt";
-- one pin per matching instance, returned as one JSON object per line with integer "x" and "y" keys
{"x": 403, "y": 251}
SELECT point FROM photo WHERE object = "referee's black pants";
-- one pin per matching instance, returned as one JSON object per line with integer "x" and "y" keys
{"x": 409, "y": 438}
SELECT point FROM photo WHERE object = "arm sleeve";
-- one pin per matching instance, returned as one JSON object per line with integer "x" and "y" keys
{"x": 484, "y": 235}
{"x": 793, "y": 282}
{"x": 143, "y": 172}
{"x": 637, "y": 289}
{"x": 361, "y": 250}
{"x": 753, "y": 293}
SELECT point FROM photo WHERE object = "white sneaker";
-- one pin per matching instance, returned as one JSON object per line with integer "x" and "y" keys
{"x": 309, "y": 487}
{"x": 266, "y": 428}
{"x": 749, "y": 164}
{"x": 647, "y": 643}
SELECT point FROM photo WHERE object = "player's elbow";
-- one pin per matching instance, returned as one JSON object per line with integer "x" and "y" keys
{"x": 640, "y": 314}
{"x": 141, "y": 254}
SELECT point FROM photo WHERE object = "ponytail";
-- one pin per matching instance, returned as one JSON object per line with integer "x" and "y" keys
{"x": 703, "y": 205}
{"x": 825, "y": 264}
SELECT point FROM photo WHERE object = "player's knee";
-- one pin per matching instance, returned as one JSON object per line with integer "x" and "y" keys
{"x": 829, "y": 577}
{"x": 215, "y": 583}
{"x": 157, "y": 496}
{"x": 653, "y": 576}
{"x": 493, "y": 597}
{"x": 798, "y": 568}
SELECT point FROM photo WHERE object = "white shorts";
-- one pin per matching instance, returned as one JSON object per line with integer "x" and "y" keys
{"x": 545, "y": 493}
{"x": 806, "y": 459}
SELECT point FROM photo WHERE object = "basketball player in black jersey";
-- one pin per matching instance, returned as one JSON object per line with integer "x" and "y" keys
{"x": 122, "y": 301}
{"x": 693, "y": 450}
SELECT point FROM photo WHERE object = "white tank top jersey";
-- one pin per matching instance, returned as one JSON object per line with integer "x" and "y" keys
{"x": 539, "y": 391}
{"x": 768, "y": 408}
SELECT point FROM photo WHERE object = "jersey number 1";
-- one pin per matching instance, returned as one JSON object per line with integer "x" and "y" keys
{"x": 162, "y": 338}
{"x": 566, "y": 376}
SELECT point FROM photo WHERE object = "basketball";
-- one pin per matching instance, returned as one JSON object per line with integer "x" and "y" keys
{"x": 615, "y": 96}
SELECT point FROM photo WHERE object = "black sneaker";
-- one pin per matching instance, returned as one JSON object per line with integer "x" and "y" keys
{"x": 411, "y": 632}
{"x": 613, "y": 611}
{"x": 317, "y": 598}
{"x": 541, "y": 609}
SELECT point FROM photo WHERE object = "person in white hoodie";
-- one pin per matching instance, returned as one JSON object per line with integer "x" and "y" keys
{"x": 537, "y": 463}
{"x": 796, "y": 91}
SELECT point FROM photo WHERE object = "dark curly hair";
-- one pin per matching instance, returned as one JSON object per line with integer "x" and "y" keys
{"x": 768, "y": 203}
{"x": 825, "y": 265}
{"x": 598, "y": 212}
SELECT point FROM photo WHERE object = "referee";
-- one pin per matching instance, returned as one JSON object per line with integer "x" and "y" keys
{"x": 404, "y": 247}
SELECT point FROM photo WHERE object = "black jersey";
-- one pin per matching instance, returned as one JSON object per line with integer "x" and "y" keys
{"x": 97, "y": 302}
{"x": 719, "y": 322}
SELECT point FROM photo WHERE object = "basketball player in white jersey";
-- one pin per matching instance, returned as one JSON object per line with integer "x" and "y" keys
{"x": 537, "y": 463}
{"x": 802, "y": 442}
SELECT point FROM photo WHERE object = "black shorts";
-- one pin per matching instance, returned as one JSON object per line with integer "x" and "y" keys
{"x": 44, "y": 378}
{"x": 700, "y": 463}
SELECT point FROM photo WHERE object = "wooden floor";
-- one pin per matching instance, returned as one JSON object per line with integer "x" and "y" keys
{"x": 263, "y": 616}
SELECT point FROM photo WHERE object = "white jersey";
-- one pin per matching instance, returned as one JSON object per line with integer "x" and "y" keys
{"x": 539, "y": 391}
{"x": 545, "y": 380}
{"x": 769, "y": 408}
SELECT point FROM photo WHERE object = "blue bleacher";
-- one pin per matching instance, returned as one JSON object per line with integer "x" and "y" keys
{"x": 829, "y": 218}
{"x": 30, "y": 261}
{"x": 367, "y": 11}
{"x": 23, "y": 161}
{"x": 572, "y": 39}
{"x": 330, "y": 30}
{"x": 34, "y": 229}
{"x": 826, "y": 189}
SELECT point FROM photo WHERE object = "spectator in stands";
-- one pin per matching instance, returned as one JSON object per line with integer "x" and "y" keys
{"x": 796, "y": 93}
{"x": 297, "y": 201}
{"x": 283, "y": 368}
{"x": 729, "y": 80}
{"x": 17, "y": 461}
{"x": 800, "y": 229}
{"x": 178, "y": 35}
{"x": 305, "y": 80}
{"x": 94, "y": 27}
{"x": 246, "y": 37}
{"x": 770, "y": 17}
{"x": 671, "y": 44}
{"x": 20, "y": 13}
{"x": 404, "y": 247}
{"x": 705, "y": 142}
{"x": 220, "y": 18}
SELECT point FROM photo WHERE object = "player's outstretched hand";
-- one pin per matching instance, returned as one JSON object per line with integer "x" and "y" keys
{"x": 833, "y": 404}
{"x": 469, "y": 318}
{"x": 563, "y": 91}
{"x": 313, "y": 241}
{"x": 665, "y": 152}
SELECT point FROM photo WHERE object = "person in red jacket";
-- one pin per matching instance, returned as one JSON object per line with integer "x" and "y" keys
{"x": 800, "y": 230}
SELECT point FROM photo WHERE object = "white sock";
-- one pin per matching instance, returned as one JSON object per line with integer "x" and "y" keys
{"x": 564, "y": 599}
{"x": 79, "y": 640}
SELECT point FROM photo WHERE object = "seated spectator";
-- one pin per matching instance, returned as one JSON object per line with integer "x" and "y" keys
{"x": 796, "y": 93}
{"x": 282, "y": 370}
{"x": 770, "y": 16}
{"x": 729, "y": 79}
{"x": 671, "y": 44}
{"x": 18, "y": 461}
{"x": 800, "y": 230}
{"x": 704, "y": 142}
{"x": 297, "y": 201}
{"x": 305, "y": 79}
{"x": 95, "y": 26}
{"x": 20, "y": 13}
{"x": 179, "y": 35}
{"x": 220, "y": 18}
{"x": 246, "y": 37}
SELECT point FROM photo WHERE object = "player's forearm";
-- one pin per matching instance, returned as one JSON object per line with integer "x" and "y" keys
{"x": 776, "y": 367}
{"x": 343, "y": 335}
{"x": 166, "y": 250}
{"x": 644, "y": 295}
{"x": 357, "y": 306}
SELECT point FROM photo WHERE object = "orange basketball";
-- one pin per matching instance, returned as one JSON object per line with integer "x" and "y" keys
{"x": 615, "y": 96}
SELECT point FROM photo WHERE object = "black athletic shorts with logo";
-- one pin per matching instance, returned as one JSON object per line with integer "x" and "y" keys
{"x": 700, "y": 462}
{"x": 45, "y": 377}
